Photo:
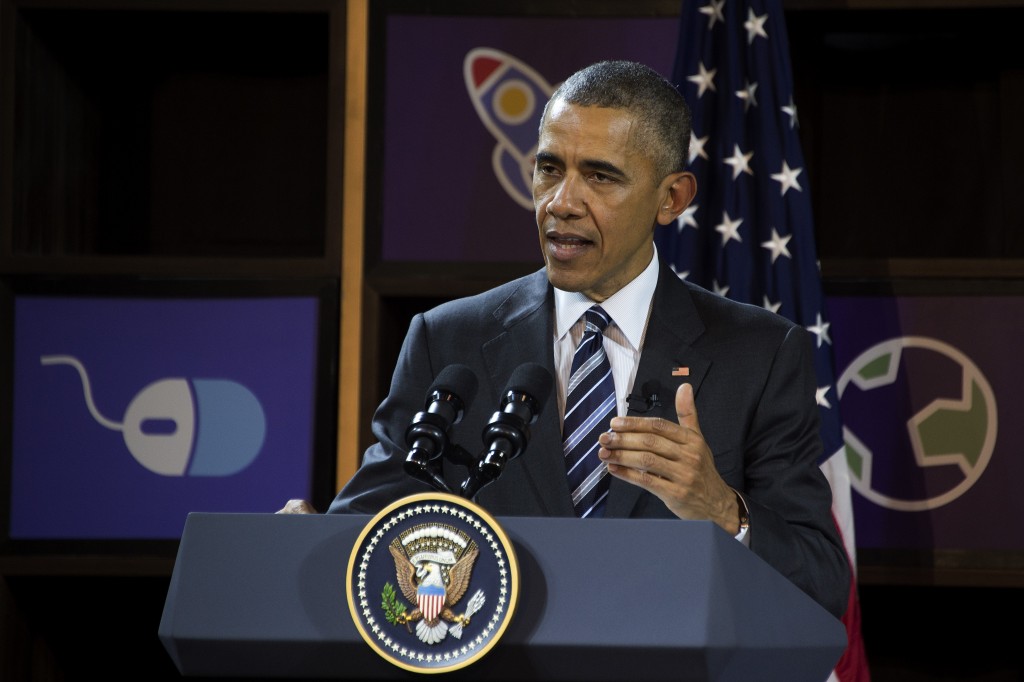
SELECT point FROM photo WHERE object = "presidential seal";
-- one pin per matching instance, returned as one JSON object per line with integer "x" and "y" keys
{"x": 432, "y": 582}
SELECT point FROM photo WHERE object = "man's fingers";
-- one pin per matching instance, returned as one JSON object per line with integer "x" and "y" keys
{"x": 297, "y": 507}
{"x": 686, "y": 408}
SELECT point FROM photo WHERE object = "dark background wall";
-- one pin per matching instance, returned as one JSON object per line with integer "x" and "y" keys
{"x": 910, "y": 113}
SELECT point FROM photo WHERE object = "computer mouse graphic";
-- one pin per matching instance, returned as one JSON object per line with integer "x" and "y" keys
{"x": 183, "y": 427}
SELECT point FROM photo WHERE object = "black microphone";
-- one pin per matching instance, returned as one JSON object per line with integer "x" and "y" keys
{"x": 427, "y": 434}
{"x": 646, "y": 402}
{"x": 508, "y": 432}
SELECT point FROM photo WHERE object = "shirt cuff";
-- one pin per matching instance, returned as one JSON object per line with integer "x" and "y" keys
{"x": 744, "y": 534}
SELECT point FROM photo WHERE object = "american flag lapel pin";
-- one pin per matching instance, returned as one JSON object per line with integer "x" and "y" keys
{"x": 680, "y": 371}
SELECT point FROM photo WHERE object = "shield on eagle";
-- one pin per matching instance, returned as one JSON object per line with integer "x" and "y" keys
{"x": 430, "y": 599}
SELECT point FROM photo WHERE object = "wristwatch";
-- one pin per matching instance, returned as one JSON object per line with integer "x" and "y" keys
{"x": 744, "y": 515}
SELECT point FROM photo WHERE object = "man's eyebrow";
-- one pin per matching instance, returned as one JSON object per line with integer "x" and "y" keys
{"x": 603, "y": 167}
{"x": 588, "y": 164}
{"x": 546, "y": 157}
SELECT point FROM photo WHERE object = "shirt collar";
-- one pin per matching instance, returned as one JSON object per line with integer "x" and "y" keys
{"x": 628, "y": 307}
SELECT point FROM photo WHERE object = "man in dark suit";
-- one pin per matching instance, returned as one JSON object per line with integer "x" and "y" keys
{"x": 716, "y": 416}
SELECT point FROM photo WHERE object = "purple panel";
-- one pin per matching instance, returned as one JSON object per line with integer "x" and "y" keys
{"x": 443, "y": 199}
{"x": 130, "y": 413}
{"x": 930, "y": 393}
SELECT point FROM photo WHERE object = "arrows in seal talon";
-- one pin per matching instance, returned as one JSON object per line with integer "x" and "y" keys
{"x": 475, "y": 604}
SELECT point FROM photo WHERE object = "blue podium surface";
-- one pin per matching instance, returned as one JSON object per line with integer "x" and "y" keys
{"x": 264, "y": 595}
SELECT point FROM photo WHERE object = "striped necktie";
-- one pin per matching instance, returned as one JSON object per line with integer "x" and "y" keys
{"x": 589, "y": 406}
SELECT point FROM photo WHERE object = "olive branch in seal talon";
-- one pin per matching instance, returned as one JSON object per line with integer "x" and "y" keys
{"x": 394, "y": 610}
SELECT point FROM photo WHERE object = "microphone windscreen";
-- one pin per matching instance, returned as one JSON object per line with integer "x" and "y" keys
{"x": 532, "y": 379}
{"x": 651, "y": 387}
{"x": 458, "y": 380}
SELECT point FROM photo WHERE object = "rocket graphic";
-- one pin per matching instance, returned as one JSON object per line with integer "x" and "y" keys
{"x": 509, "y": 97}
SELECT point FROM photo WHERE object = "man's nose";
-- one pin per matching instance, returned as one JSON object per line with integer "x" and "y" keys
{"x": 568, "y": 200}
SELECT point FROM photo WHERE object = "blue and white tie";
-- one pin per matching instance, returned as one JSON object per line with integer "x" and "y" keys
{"x": 589, "y": 406}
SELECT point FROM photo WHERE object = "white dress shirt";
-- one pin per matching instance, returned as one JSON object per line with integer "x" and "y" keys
{"x": 629, "y": 308}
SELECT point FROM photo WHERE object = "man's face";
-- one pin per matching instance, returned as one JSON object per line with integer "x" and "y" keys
{"x": 596, "y": 199}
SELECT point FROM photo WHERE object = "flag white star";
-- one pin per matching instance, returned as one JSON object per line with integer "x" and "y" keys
{"x": 719, "y": 289}
{"x": 687, "y": 218}
{"x": 787, "y": 178}
{"x": 790, "y": 110}
{"x": 747, "y": 95}
{"x": 819, "y": 397}
{"x": 681, "y": 275}
{"x": 704, "y": 79}
{"x": 729, "y": 228}
{"x": 777, "y": 245}
{"x": 740, "y": 162}
{"x": 697, "y": 146}
{"x": 768, "y": 305}
{"x": 820, "y": 329}
{"x": 714, "y": 11}
{"x": 755, "y": 26}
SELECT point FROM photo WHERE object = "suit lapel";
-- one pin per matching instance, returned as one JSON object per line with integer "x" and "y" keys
{"x": 526, "y": 318}
{"x": 667, "y": 360}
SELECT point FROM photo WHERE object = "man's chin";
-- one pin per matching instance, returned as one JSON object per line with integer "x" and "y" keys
{"x": 566, "y": 279}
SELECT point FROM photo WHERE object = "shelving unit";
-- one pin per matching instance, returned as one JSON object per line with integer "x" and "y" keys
{"x": 240, "y": 140}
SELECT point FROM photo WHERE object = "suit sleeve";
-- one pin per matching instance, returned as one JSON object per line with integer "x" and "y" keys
{"x": 381, "y": 477}
{"x": 790, "y": 501}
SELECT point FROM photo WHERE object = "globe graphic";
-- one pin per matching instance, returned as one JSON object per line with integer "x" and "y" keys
{"x": 919, "y": 423}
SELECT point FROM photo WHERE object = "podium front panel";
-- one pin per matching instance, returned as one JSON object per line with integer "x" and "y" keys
{"x": 264, "y": 595}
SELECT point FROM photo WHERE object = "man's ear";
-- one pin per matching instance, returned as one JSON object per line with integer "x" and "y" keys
{"x": 680, "y": 190}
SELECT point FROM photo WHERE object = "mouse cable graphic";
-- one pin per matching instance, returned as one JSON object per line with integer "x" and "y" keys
{"x": 86, "y": 388}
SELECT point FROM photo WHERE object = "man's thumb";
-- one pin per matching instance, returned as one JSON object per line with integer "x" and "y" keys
{"x": 686, "y": 408}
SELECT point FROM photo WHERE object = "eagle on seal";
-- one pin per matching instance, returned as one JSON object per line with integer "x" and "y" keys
{"x": 424, "y": 584}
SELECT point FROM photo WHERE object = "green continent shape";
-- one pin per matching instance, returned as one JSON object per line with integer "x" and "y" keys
{"x": 876, "y": 367}
{"x": 953, "y": 430}
{"x": 854, "y": 460}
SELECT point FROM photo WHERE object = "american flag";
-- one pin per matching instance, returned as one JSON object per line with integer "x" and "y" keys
{"x": 749, "y": 234}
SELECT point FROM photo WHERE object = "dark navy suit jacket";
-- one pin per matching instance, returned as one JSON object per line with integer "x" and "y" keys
{"x": 755, "y": 394}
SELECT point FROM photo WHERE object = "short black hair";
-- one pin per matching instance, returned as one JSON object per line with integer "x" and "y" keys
{"x": 659, "y": 108}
